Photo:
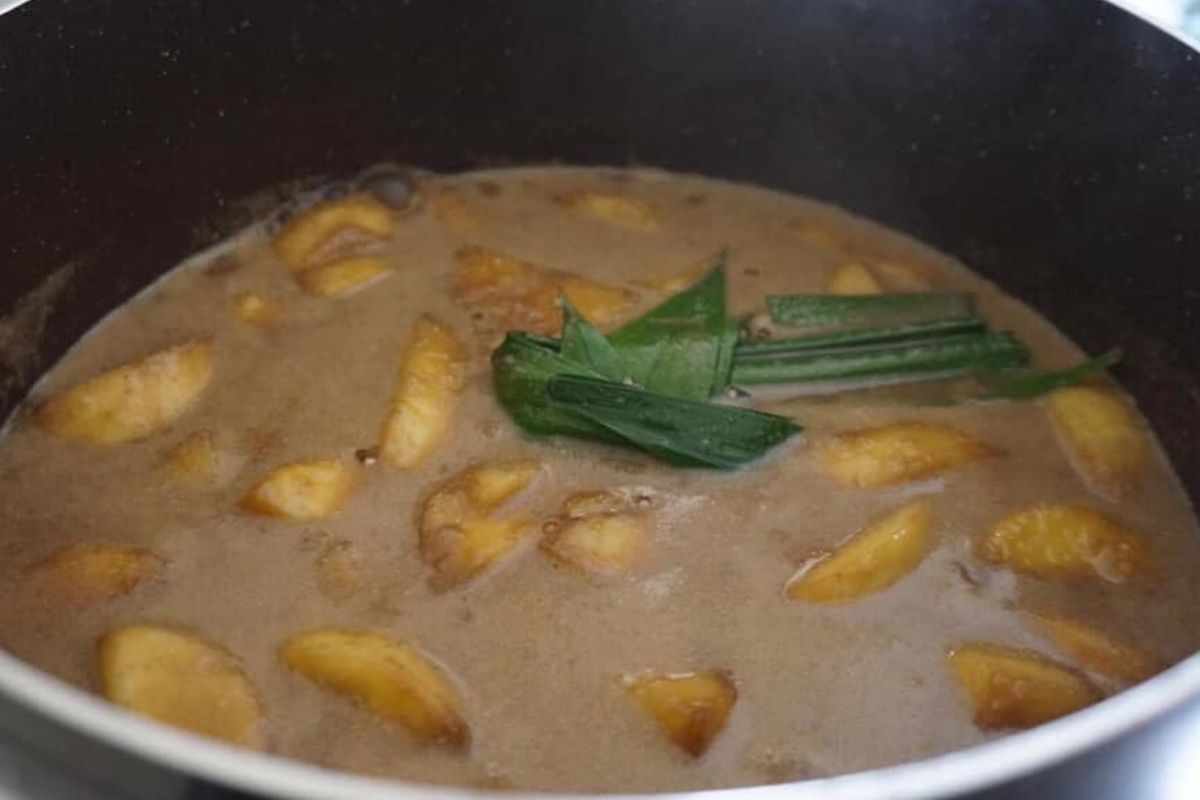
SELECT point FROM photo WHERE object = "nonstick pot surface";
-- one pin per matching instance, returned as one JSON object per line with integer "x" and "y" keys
{"x": 1051, "y": 146}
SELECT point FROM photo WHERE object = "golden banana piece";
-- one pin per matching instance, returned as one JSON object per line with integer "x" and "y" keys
{"x": 133, "y": 400}
{"x": 432, "y": 370}
{"x": 388, "y": 677}
{"x": 852, "y": 278}
{"x": 1097, "y": 651}
{"x": 461, "y": 535}
{"x": 874, "y": 559}
{"x": 307, "y": 238}
{"x": 303, "y": 490}
{"x": 455, "y": 214}
{"x": 179, "y": 679}
{"x": 518, "y": 295}
{"x": 691, "y": 708}
{"x": 1102, "y": 437}
{"x": 1011, "y": 688}
{"x": 677, "y": 281}
{"x": 86, "y": 573}
{"x": 1064, "y": 541}
{"x": 602, "y": 533}
{"x": 625, "y": 212}
{"x": 905, "y": 276}
{"x": 871, "y": 458}
{"x": 257, "y": 309}
{"x": 195, "y": 460}
{"x": 343, "y": 277}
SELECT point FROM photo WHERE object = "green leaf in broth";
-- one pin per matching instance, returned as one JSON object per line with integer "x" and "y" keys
{"x": 679, "y": 431}
{"x": 582, "y": 343}
{"x": 910, "y": 332}
{"x": 727, "y": 349}
{"x": 830, "y": 311}
{"x": 916, "y": 360}
{"x": 521, "y": 368}
{"x": 1036, "y": 383}
{"x": 676, "y": 349}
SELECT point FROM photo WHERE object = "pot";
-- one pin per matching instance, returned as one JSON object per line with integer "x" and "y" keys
{"x": 1051, "y": 146}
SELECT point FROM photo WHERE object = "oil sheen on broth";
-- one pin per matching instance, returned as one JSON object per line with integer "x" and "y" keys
{"x": 548, "y": 672}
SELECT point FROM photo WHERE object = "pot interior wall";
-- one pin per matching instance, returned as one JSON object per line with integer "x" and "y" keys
{"x": 1050, "y": 145}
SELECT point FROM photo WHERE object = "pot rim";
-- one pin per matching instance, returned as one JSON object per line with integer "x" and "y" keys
{"x": 946, "y": 775}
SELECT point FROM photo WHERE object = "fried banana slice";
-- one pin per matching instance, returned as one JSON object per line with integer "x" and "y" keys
{"x": 308, "y": 236}
{"x": 488, "y": 486}
{"x": 179, "y": 679}
{"x": 602, "y": 544}
{"x": 515, "y": 294}
{"x": 343, "y": 277}
{"x": 874, "y": 559}
{"x": 599, "y": 303}
{"x": 602, "y": 533}
{"x": 905, "y": 276}
{"x": 454, "y": 213}
{"x": 1095, "y": 650}
{"x": 1103, "y": 439}
{"x": 388, "y": 677}
{"x": 432, "y": 370}
{"x": 1011, "y": 688}
{"x": 257, "y": 309}
{"x": 133, "y": 400}
{"x": 819, "y": 235}
{"x": 1064, "y": 541}
{"x": 509, "y": 293}
{"x": 484, "y": 275}
{"x": 87, "y": 573}
{"x": 677, "y": 281}
{"x": 852, "y": 278}
{"x": 303, "y": 490}
{"x": 196, "y": 460}
{"x": 620, "y": 210}
{"x": 874, "y": 457}
{"x": 604, "y": 501}
{"x": 461, "y": 535}
{"x": 691, "y": 708}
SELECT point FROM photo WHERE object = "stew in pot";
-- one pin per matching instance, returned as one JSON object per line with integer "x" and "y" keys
{"x": 595, "y": 480}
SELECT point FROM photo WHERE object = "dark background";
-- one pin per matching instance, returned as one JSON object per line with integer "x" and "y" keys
{"x": 1051, "y": 145}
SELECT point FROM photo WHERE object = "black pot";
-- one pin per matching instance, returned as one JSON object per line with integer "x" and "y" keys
{"x": 1051, "y": 146}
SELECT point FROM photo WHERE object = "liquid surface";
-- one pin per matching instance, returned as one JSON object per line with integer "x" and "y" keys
{"x": 540, "y": 651}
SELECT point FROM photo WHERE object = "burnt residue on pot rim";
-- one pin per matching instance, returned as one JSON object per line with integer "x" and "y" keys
{"x": 23, "y": 329}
